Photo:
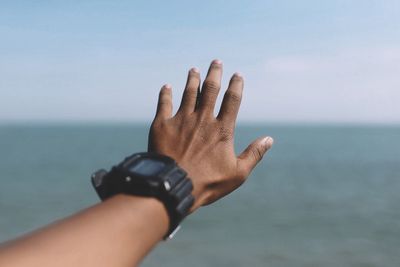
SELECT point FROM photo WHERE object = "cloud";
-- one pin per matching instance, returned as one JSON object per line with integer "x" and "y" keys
{"x": 348, "y": 61}
{"x": 361, "y": 85}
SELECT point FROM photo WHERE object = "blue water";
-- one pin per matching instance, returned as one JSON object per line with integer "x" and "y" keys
{"x": 323, "y": 196}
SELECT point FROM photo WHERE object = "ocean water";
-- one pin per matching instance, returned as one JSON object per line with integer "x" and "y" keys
{"x": 323, "y": 196}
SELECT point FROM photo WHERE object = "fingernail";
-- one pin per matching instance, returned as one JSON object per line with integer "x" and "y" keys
{"x": 194, "y": 69}
{"x": 167, "y": 86}
{"x": 216, "y": 61}
{"x": 238, "y": 74}
{"x": 268, "y": 142}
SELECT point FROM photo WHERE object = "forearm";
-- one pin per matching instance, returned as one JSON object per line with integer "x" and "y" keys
{"x": 117, "y": 232}
{"x": 122, "y": 230}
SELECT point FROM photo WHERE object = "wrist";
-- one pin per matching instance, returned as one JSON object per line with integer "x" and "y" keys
{"x": 199, "y": 192}
{"x": 149, "y": 175}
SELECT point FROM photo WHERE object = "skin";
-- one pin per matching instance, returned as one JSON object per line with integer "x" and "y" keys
{"x": 123, "y": 229}
{"x": 201, "y": 143}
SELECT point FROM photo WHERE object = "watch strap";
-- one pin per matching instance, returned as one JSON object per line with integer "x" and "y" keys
{"x": 174, "y": 192}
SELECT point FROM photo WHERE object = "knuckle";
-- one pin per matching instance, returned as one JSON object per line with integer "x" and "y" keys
{"x": 203, "y": 131}
{"x": 193, "y": 81}
{"x": 202, "y": 120}
{"x": 163, "y": 102}
{"x": 225, "y": 133}
{"x": 179, "y": 118}
{"x": 190, "y": 92}
{"x": 233, "y": 97}
{"x": 242, "y": 173}
{"x": 211, "y": 85}
{"x": 257, "y": 153}
{"x": 164, "y": 99}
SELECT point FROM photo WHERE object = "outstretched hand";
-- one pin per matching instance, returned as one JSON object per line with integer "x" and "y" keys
{"x": 201, "y": 143}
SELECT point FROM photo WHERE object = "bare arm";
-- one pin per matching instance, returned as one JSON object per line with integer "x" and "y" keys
{"x": 117, "y": 232}
{"x": 123, "y": 229}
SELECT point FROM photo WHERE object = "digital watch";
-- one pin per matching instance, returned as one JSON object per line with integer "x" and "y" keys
{"x": 149, "y": 175}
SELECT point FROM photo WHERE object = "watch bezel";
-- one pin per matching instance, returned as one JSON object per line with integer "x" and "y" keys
{"x": 170, "y": 185}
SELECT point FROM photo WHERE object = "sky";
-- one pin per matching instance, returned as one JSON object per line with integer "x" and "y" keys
{"x": 305, "y": 61}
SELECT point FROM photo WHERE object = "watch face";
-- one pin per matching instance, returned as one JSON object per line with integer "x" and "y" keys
{"x": 147, "y": 167}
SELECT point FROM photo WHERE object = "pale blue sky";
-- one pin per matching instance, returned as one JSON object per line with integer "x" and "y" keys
{"x": 303, "y": 61}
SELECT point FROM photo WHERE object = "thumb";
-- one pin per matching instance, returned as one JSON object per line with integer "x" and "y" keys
{"x": 253, "y": 154}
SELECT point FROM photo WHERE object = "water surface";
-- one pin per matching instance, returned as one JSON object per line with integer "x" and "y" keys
{"x": 323, "y": 196}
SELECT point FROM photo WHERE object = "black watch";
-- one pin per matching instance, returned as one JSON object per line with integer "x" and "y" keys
{"x": 149, "y": 175}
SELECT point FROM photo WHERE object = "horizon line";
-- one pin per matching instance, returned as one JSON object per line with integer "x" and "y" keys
{"x": 47, "y": 122}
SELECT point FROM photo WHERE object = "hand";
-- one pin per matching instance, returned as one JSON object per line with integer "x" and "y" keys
{"x": 201, "y": 143}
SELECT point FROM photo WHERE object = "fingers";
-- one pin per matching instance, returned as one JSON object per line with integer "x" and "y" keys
{"x": 211, "y": 87}
{"x": 253, "y": 154}
{"x": 232, "y": 98}
{"x": 189, "y": 98}
{"x": 164, "y": 106}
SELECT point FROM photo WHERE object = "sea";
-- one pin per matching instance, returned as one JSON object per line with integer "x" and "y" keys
{"x": 324, "y": 195}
